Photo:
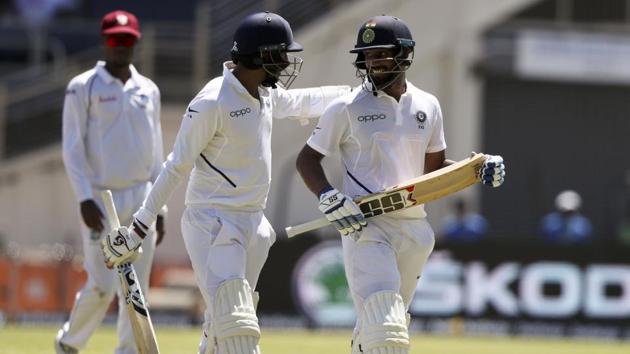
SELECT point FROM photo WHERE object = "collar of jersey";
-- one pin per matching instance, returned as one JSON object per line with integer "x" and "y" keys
{"x": 231, "y": 79}
{"x": 228, "y": 66}
{"x": 381, "y": 93}
{"x": 108, "y": 78}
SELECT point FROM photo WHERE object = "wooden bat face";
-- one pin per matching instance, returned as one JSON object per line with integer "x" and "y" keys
{"x": 423, "y": 189}
{"x": 143, "y": 331}
{"x": 133, "y": 296}
{"x": 420, "y": 190}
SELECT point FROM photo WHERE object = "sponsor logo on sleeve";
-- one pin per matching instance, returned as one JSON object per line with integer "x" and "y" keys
{"x": 189, "y": 112}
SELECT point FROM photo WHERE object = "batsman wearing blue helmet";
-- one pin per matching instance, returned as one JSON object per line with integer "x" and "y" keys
{"x": 224, "y": 143}
{"x": 388, "y": 132}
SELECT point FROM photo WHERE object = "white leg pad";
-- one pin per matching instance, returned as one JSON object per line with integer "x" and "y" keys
{"x": 355, "y": 345}
{"x": 234, "y": 319}
{"x": 384, "y": 324}
{"x": 206, "y": 345}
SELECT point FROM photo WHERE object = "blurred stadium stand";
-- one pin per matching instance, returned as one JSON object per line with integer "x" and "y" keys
{"x": 571, "y": 114}
{"x": 178, "y": 53}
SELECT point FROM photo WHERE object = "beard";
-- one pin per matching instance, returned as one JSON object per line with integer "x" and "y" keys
{"x": 273, "y": 73}
{"x": 270, "y": 80}
{"x": 381, "y": 80}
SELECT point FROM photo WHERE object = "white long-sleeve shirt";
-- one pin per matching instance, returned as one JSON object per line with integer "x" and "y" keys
{"x": 225, "y": 139}
{"x": 112, "y": 137}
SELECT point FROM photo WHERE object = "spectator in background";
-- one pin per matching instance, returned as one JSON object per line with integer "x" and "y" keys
{"x": 463, "y": 225}
{"x": 112, "y": 139}
{"x": 566, "y": 224}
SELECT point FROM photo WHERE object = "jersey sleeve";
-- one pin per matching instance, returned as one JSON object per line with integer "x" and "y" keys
{"x": 437, "y": 141}
{"x": 199, "y": 125}
{"x": 304, "y": 103}
{"x": 331, "y": 130}
{"x": 74, "y": 131}
{"x": 158, "y": 150}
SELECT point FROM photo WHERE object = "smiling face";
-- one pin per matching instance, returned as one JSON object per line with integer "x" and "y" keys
{"x": 119, "y": 49}
{"x": 380, "y": 64}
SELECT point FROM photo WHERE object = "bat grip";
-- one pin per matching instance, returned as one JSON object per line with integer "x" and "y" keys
{"x": 309, "y": 226}
{"x": 110, "y": 209}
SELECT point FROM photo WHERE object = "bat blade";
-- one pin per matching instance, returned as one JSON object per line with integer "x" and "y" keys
{"x": 416, "y": 191}
{"x": 141, "y": 325}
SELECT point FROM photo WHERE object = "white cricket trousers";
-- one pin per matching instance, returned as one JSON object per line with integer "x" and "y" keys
{"x": 224, "y": 245}
{"x": 389, "y": 255}
{"x": 92, "y": 301}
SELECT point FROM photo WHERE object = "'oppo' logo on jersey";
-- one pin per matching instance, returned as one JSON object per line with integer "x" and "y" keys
{"x": 240, "y": 112}
{"x": 371, "y": 117}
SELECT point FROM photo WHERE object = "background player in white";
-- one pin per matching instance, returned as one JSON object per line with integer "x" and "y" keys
{"x": 387, "y": 133}
{"x": 225, "y": 139}
{"x": 111, "y": 140}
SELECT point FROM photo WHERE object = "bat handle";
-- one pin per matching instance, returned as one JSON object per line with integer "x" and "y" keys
{"x": 308, "y": 226}
{"x": 110, "y": 209}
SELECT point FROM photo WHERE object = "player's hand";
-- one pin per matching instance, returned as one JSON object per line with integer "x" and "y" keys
{"x": 492, "y": 173}
{"x": 92, "y": 215}
{"x": 159, "y": 229}
{"x": 341, "y": 211}
{"x": 121, "y": 245}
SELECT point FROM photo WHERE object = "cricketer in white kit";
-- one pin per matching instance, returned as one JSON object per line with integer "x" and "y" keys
{"x": 386, "y": 133}
{"x": 225, "y": 139}
{"x": 112, "y": 139}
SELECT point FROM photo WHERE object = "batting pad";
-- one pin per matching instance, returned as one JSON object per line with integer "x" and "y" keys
{"x": 206, "y": 345}
{"x": 234, "y": 319}
{"x": 384, "y": 324}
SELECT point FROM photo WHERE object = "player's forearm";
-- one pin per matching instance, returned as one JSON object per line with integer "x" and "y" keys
{"x": 310, "y": 168}
{"x": 434, "y": 161}
{"x": 160, "y": 193}
{"x": 447, "y": 162}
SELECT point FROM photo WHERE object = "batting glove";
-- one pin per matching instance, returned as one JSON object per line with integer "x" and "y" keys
{"x": 492, "y": 173}
{"x": 122, "y": 245}
{"x": 341, "y": 211}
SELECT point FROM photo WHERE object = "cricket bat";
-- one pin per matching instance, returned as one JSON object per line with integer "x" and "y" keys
{"x": 143, "y": 331}
{"x": 416, "y": 191}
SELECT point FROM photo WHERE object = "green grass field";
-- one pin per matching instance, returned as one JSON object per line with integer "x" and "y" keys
{"x": 38, "y": 340}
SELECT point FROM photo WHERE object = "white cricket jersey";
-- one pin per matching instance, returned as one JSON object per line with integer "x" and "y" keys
{"x": 382, "y": 142}
{"x": 225, "y": 139}
{"x": 112, "y": 137}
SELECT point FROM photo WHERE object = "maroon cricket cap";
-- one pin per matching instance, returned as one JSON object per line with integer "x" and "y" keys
{"x": 120, "y": 22}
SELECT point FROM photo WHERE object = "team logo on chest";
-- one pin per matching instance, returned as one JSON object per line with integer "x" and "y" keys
{"x": 421, "y": 117}
{"x": 240, "y": 112}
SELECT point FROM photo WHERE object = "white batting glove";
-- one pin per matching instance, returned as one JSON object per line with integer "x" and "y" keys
{"x": 122, "y": 245}
{"x": 492, "y": 173}
{"x": 341, "y": 211}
